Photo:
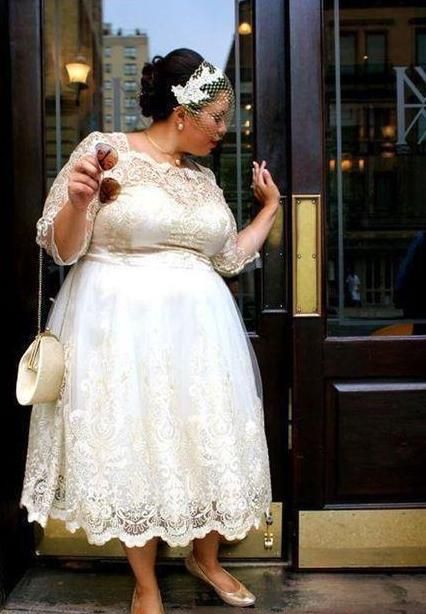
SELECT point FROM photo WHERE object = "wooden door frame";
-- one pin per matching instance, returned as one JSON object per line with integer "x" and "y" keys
{"x": 23, "y": 192}
{"x": 320, "y": 362}
{"x": 26, "y": 145}
{"x": 272, "y": 341}
{"x": 307, "y": 139}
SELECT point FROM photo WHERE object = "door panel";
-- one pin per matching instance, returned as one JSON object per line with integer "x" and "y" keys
{"x": 359, "y": 393}
{"x": 375, "y": 441}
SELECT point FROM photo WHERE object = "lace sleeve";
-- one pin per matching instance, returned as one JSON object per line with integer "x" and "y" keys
{"x": 232, "y": 258}
{"x": 56, "y": 199}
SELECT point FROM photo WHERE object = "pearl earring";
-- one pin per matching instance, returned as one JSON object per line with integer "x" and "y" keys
{"x": 180, "y": 126}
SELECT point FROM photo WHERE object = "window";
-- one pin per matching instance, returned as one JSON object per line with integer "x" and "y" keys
{"x": 348, "y": 53}
{"x": 421, "y": 61}
{"x": 421, "y": 48}
{"x": 108, "y": 101}
{"x": 107, "y": 68}
{"x": 130, "y": 103}
{"x": 383, "y": 120}
{"x": 107, "y": 52}
{"x": 385, "y": 193}
{"x": 107, "y": 84}
{"x": 375, "y": 50}
{"x": 130, "y": 86}
{"x": 130, "y": 53}
{"x": 131, "y": 119}
{"x": 108, "y": 118}
{"x": 130, "y": 69}
{"x": 379, "y": 280}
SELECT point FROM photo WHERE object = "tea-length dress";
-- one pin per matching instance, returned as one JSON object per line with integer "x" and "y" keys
{"x": 159, "y": 428}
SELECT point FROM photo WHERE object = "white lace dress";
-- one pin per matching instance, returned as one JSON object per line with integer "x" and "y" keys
{"x": 159, "y": 429}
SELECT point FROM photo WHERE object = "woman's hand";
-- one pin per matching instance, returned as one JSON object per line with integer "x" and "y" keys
{"x": 83, "y": 182}
{"x": 264, "y": 187}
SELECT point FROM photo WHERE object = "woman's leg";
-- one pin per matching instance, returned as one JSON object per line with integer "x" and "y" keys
{"x": 142, "y": 561}
{"x": 205, "y": 552}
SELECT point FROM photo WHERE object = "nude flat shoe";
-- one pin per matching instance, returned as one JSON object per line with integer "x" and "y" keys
{"x": 242, "y": 597}
{"x": 133, "y": 604}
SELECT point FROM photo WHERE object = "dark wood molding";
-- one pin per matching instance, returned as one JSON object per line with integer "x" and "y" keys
{"x": 390, "y": 357}
{"x": 306, "y": 96}
{"x": 27, "y": 144}
{"x": 23, "y": 186}
{"x": 306, "y": 178}
{"x": 273, "y": 345}
{"x": 271, "y": 88}
{"x": 305, "y": 34}
{"x": 271, "y": 138}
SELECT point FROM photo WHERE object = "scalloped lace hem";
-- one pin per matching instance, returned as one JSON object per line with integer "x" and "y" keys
{"x": 140, "y": 540}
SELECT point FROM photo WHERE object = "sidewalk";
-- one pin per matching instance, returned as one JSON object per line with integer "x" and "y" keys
{"x": 79, "y": 591}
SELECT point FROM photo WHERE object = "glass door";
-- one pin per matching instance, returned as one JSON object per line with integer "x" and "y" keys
{"x": 359, "y": 383}
{"x": 375, "y": 87}
{"x": 94, "y": 54}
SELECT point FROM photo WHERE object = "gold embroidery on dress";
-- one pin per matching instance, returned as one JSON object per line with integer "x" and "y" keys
{"x": 159, "y": 426}
{"x": 191, "y": 189}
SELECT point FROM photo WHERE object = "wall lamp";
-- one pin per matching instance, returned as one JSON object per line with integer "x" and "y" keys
{"x": 78, "y": 71}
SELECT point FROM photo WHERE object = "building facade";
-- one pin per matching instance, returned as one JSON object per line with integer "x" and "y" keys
{"x": 124, "y": 55}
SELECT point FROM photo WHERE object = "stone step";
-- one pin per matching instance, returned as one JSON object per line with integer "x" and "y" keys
{"x": 78, "y": 589}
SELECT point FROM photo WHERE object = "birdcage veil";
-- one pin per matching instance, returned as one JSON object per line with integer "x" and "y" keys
{"x": 207, "y": 97}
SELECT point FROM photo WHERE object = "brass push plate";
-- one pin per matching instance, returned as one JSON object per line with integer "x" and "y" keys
{"x": 307, "y": 257}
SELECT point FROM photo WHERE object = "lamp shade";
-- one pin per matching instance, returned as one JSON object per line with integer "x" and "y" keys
{"x": 244, "y": 28}
{"x": 78, "y": 71}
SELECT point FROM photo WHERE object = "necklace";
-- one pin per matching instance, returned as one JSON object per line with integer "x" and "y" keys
{"x": 177, "y": 160}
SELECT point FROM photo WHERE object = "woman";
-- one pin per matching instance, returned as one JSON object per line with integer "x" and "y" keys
{"x": 159, "y": 429}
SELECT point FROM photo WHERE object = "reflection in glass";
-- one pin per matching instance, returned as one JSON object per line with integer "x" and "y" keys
{"x": 116, "y": 38}
{"x": 376, "y": 179}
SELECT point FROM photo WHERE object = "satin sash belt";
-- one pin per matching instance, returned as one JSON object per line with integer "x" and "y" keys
{"x": 169, "y": 256}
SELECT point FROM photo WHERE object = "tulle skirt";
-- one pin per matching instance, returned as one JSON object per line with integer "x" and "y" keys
{"x": 159, "y": 429}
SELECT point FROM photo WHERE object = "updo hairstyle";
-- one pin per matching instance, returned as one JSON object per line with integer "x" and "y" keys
{"x": 156, "y": 97}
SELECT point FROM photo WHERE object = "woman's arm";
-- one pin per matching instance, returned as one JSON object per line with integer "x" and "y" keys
{"x": 64, "y": 230}
{"x": 252, "y": 237}
{"x": 242, "y": 248}
{"x": 71, "y": 222}
{"x": 70, "y": 228}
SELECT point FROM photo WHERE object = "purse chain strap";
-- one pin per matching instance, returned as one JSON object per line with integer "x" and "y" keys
{"x": 35, "y": 346}
{"x": 40, "y": 290}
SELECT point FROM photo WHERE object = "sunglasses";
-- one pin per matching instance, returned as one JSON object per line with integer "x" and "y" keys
{"x": 107, "y": 158}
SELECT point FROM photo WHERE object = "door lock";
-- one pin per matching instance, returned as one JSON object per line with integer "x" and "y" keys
{"x": 268, "y": 539}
